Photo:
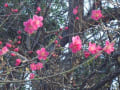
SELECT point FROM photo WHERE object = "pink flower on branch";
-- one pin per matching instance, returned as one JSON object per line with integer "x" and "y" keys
{"x": 42, "y": 54}
{"x": 96, "y": 14}
{"x": 37, "y": 21}
{"x": 75, "y": 11}
{"x": 39, "y": 66}
{"x": 4, "y": 50}
{"x": 18, "y": 62}
{"x": 92, "y": 48}
{"x": 5, "y": 5}
{"x": 8, "y": 45}
{"x": 32, "y": 75}
{"x": 87, "y": 54}
{"x": 33, "y": 66}
{"x": 76, "y": 44}
{"x": 29, "y": 26}
{"x": 38, "y": 9}
{"x": 109, "y": 47}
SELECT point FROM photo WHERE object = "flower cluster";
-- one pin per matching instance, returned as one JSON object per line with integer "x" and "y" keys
{"x": 76, "y": 44}
{"x": 37, "y": 66}
{"x": 33, "y": 24}
{"x": 93, "y": 49}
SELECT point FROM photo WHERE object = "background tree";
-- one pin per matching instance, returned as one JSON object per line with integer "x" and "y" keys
{"x": 62, "y": 69}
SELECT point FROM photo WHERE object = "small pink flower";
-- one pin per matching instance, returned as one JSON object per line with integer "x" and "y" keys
{"x": 60, "y": 37}
{"x": 75, "y": 11}
{"x": 18, "y": 42}
{"x": 38, "y": 9}
{"x": 39, "y": 66}
{"x": 92, "y": 48}
{"x": 96, "y": 14}
{"x": 87, "y": 54}
{"x": 5, "y": 5}
{"x": 66, "y": 28}
{"x": 32, "y": 75}
{"x": 19, "y": 32}
{"x": 109, "y": 47}
{"x": 16, "y": 49}
{"x": 77, "y": 18}
{"x": 29, "y": 26}
{"x": 37, "y": 21}
{"x": 56, "y": 41}
{"x": 76, "y": 44}
{"x": 19, "y": 37}
{"x": 0, "y": 42}
{"x": 60, "y": 29}
{"x": 4, "y": 50}
{"x": 42, "y": 54}
{"x": 18, "y": 62}
{"x": 13, "y": 54}
{"x": 58, "y": 45}
{"x": 8, "y": 45}
{"x": 33, "y": 66}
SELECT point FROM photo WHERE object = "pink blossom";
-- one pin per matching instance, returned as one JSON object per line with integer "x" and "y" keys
{"x": 92, "y": 48}
{"x": 19, "y": 32}
{"x": 19, "y": 37}
{"x": 56, "y": 41}
{"x": 87, "y": 54}
{"x": 4, "y": 50}
{"x": 39, "y": 66}
{"x": 33, "y": 66}
{"x": 77, "y": 18}
{"x": 75, "y": 11}
{"x": 18, "y": 42}
{"x": 5, "y": 5}
{"x": 96, "y": 14}
{"x": 76, "y": 44}
{"x": 66, "y": 28}
{"x": 18, "y": 62}
{"x": 37, "y": 21}
{"x": 29, "y": 26}
{"x": 32, "y": 75}
{"x": 58, "y": 45}
{"x": 0, "y": 42}
{"x": 13, "y": 54}
{"x": 60, "y": 37}
{"x": 42, "y": 54}
{"x": 8, "y": 45}
{"x": 38, "y": 9}
{"x": 16, "y": 49}
{"x": 109, "y": 47}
